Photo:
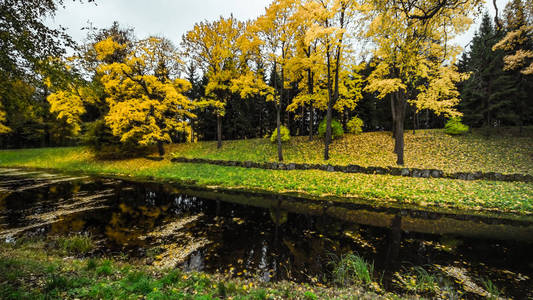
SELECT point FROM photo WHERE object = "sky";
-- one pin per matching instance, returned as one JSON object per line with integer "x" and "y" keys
{"x": 172, "y": 18}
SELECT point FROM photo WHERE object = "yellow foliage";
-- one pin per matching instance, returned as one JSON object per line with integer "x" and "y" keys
{"x": 410, "y": 51}
{"x": 215, "y": 47}
{"x": 521, "y": 59}
{"x": 69, "y": 107}
{"x": 145, "y": 109}
{"x": 441, "y": 94}
{"x": 107, "y": 47}
{"x": 3, "y": 128}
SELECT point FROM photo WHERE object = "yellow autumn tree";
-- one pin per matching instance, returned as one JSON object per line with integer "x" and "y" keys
{"x": 305, "y": 67}
{"x": 3, "y": 128}
{"x": 414, "y": 61}
{"x": 146, "y": 103}
{"x": 331, "y": 20}
{"x": 276, "y": 37}
{"x": 213, "y": 46}
{"x": 68, "y": 93}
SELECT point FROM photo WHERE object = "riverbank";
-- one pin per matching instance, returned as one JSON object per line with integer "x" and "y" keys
{"x": 59, "y": 268}
{"x": 475, "y": 196}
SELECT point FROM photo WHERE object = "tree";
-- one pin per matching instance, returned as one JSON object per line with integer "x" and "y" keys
{"x": 146, "y": 101}
{"x": 517, "y": 46}
{"x": 213, "y": 46}
{"x": 276, "y": 37}
{"x": 331, "y": 19}
{"x": 305, "y": 67}
{"x": 488, "y": 94}
{"x": 3, "y": 128}
{"x": 411, "y": 41}
{"x": 26, "y": 42}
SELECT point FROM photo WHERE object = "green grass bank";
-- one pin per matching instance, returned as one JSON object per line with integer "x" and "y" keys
{"x": 475, "y": 196}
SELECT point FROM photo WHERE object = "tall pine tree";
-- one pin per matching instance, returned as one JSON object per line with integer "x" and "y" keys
{"x": 487, "y": 96}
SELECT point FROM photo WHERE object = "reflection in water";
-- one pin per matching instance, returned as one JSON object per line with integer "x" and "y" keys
{"x": 243, "y": 235}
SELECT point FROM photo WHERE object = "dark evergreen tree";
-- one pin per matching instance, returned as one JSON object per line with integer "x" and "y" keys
{"x": 487, "y": 96}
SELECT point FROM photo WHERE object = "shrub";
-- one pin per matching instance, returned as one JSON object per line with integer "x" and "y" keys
{"x": 285, "y": 135}
{"x": 355, "y": 125}
{"x": 336, "y": 129}
{"x": 455, "y": 127}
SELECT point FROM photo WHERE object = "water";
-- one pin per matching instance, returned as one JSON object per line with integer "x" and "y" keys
{"x": 269, "y": 237}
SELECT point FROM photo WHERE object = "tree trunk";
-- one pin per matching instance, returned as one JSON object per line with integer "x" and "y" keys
{"x": 328, "y": 115}
{"x": 328, "y": 130}
{"x": 160, "y": 148}
{"x": 393, "y": 112}
{"x": 219, "y": 131}
{"x": 278, "y": 125}
{"x": 302, "y": 124}
{"x": 414, "y": 120}
{"x": 310, "y": 91}
{"x": 311, "y": 121}
{"x": 399, "y": 130}
{"x": 278, "y": 111}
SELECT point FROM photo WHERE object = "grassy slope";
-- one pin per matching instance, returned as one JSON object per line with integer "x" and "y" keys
{"x": 477, "y": 195}
{"x": 506, "y": 152}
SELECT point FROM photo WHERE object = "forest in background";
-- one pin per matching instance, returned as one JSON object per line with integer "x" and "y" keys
{"x": 296, "y": 65}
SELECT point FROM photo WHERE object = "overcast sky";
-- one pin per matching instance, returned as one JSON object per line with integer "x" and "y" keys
{"x": 171, "y": 18}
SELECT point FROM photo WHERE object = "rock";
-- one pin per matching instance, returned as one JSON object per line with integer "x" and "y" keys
{"x": 405, "y": 172}
{"x": 416, "y": 173}
{"x": 436, "y": 173}
{"x": 291, "y": 167}
{"x": 281, "y": 166}
{"x": 425, "y": 173}
{"x": 330, "y": 168}
{"x": 352, "y": 168}
{"x": 380, "y": 171}
{"x": 470, "y": 176}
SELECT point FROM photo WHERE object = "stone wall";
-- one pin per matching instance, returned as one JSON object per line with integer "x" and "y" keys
{"x": 407, "y": 172}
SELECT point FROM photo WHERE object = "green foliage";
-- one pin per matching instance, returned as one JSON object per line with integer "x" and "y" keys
{"x": 285, "y": 135}
{"x": 105, "y": 268}
{"x": 494, "y": 292}
{"x": 355, "y": 125}
{"x": 336, "y": 129}
{"x": 308, "y": 295}
{"x": 352, "y": 269}
{"x": 76, "y": 244}
{"x": 490, "y": 96}
{"x": 455, "y": 127}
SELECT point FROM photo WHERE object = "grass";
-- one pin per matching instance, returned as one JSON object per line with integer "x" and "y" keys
{"x": 385, "y": 189}
{"x": 491, "y": 288}
{"x": 417, "y": 280}
{"x": 504, "y": 152}
{"x": 77, "y": 244}
{"x": 29, "y": 269}
{"x": 352, "y": 269}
